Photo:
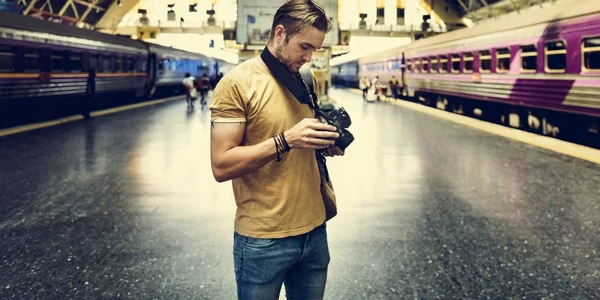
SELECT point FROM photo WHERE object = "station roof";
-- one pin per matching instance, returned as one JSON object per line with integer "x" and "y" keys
{"x": 65, "y": 11}
{"x": 91, "y": 11}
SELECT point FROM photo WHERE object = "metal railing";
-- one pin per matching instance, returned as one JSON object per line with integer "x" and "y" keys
{"x": 179, "y": 24}
{"x": 392, "y": 28}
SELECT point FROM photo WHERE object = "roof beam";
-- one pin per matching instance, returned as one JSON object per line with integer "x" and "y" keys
{"x": 70, "y": 3}
{"x": 29, "y": 7}
{"x": 47, "y": 3}
{"x": 92, "y": 4}
{"x": 87, "y": 11}
{"x": 463, "y": 6}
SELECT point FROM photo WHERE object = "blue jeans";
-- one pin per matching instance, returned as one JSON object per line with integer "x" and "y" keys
{"x": 263, "y": 265}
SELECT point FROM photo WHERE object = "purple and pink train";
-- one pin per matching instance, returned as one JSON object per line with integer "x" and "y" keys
{"x": 538, "y": 70}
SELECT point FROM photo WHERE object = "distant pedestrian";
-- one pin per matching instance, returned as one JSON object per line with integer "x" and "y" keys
{"x": 90, "y": 94}
{"x": 204, "y": 86}
{"x": 404, "y": 87}
{"x": 364, "y": 85}
{"x": 393, "y": 84}
{"x": 190, "y": 90}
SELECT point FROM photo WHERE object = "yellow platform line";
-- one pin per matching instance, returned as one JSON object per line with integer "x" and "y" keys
{"x": 552, "y": 144}
{"x": 132, "y": 106}
{"x": 29, "y": 127}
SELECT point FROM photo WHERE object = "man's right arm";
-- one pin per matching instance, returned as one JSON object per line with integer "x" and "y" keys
{"x": 229, "y": 159}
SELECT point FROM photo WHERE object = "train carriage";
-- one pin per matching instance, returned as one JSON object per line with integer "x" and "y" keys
{"x": 538, "y": 70}
{"x": 44, "y": 59}
{"x": 44, "y": 69}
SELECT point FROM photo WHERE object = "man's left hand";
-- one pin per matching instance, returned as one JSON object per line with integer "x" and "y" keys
{"x": 333, "y": 150}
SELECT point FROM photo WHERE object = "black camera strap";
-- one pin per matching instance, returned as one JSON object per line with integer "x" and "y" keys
{"x": 302, "y": 89}
{"x": 283, "y": 75}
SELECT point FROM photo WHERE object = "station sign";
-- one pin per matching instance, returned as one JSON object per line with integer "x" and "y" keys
{"x": 255, "y": 18}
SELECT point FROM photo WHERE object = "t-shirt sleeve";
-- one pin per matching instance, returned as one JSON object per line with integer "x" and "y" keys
{"x": 227, "y": 103}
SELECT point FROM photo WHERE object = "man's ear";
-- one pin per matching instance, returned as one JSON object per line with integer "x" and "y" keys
{"x": 280, "y": 33}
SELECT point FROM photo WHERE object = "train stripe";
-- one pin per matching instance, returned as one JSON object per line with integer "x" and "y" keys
{"x": 576, "y": 97}
{"x": 66, "y": 75}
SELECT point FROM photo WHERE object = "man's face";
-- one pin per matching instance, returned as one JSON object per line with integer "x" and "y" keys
{"x": 299, "y": 48}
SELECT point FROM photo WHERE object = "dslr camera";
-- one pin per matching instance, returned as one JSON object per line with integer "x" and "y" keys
{"x": 339, "y": 118}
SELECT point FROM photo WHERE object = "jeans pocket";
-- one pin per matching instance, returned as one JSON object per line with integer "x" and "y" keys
{"x": 258, "y": 243}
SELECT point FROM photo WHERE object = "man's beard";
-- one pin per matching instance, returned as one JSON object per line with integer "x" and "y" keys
{"x": 281, "y": 54}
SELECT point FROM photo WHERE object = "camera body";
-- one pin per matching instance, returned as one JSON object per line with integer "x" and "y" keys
{"x": 339, "y": 118}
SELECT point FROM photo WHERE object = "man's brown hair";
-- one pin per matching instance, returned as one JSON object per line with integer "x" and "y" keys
{"x": 297, "y": 15}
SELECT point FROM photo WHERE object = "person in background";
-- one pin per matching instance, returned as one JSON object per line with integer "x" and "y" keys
{"x": 188, "y": 83}
{"x": 404, "y": 87}
{"x": 264, "y": 140}
{"x": 90, "y": 92}
{"x": 204, "y": 86}
{"x": 375, "y": 85}
{"x": 364, "y": 85}
{"x": 394, "y": 86}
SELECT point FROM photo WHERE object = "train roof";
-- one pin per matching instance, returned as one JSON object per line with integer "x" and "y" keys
{"x": 173, "y": 52}
{"x": 564, "y": 10}
{"x": 16, "y": 21}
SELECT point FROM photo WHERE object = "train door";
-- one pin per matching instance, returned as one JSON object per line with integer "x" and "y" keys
{"x": 151, "y": 75}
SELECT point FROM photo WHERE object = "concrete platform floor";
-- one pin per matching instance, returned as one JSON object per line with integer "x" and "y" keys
{"x": 125, "y": 207}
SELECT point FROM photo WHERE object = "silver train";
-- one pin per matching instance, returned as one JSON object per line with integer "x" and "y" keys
{"x": 538, "y": 71}
{"x": 44, "y": 67}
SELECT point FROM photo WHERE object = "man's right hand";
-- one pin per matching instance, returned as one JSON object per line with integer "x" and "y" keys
{"x": 310, "y": 133}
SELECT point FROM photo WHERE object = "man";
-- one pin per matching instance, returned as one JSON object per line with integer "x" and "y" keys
{"x": 190, "y": 90}
{"x": 280, "y": 235}
{"x": 364, "y": 85}
{"x": 404, "y": 82}
{"x": 90, "y": 92}
{"x": 394, "y": 86}
{"x": 204, "y": 86}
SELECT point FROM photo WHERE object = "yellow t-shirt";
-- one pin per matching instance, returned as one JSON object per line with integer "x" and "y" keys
{"x": 280, "y": 199}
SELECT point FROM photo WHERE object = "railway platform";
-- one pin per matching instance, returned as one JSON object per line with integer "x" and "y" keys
{"x": 124, "y": 206}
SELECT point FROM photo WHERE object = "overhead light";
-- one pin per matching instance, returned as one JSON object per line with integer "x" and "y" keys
{"x": 193, "y": 7}
{"x": 119, "y": 3}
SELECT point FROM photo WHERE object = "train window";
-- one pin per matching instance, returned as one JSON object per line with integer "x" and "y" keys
{"x": 75, "y": 63}
{"x": 455, "y": 63}
{"x": 106, "y": 63}
{"x": 485, "y": 61}
{"x": 590, "y": 50}
{"x": 425, "y": 64}
{"x": 556, "y": 56}
{"x": 57, "y": 61}
{"x": 120, "y": 64}
{"x": 443, "y": 63}
{"x": 139, "y": 64}
{"x": 502, "y": 60}
{"x": 468, "y": 59}
{"x": 31, "y": 60}
{"x": 92, "y": 62}
{"x": 528, "y": 59}
{"x": 7, "y": 59}
{"x": 130, "y": 64}
{"x": 434, "y": 64}
{"x": 417, "y": 65}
